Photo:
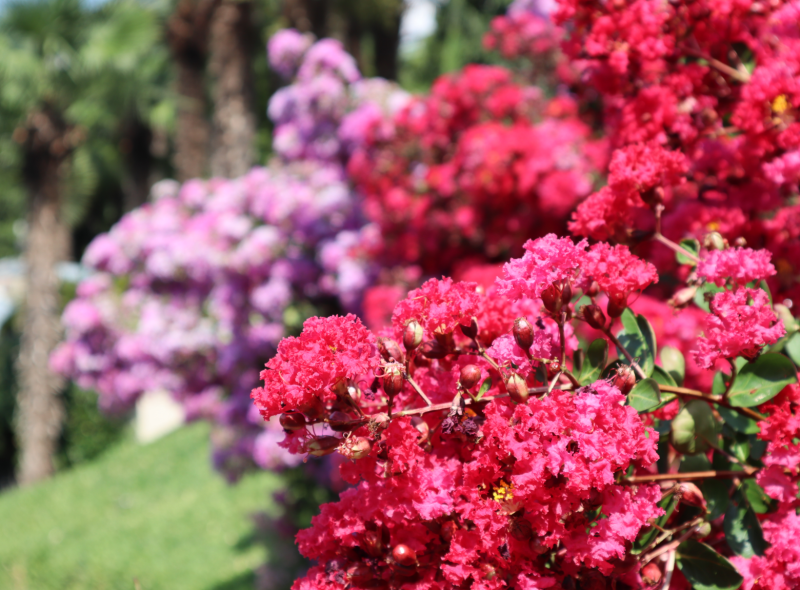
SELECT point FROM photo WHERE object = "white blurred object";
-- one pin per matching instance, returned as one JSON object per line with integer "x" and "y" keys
{"x": 419, "y": 22}
{"x": 157, "y": 414}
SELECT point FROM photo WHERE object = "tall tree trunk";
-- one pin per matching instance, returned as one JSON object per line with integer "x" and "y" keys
{"x": 187, "y": 31}
{"x": 135, "y": 148}
{"x": 40, "y": 413}
{"x": 308, "y": 16}
{"x": 230, "y": 65}
{"x": 386, "y": 34}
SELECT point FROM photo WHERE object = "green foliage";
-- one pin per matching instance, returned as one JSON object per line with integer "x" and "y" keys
{"x": 694, "y": 428}
{"x": 673, "y": 363}
{"x": 705, "y": 568}
{"x": 157, "y": 514}
{"x": 692, "y": 246}
{"x": 645, "y": 395}
{"x": 594, "y": 363}
{"x": 87, "y": 432}
{"x": 760, "y": 381}
{"x": 742, "y": 529}
{"x": 638, "y": 338}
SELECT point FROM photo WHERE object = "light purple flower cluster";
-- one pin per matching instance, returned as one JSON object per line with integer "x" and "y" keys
{"x": 192, "y": 291}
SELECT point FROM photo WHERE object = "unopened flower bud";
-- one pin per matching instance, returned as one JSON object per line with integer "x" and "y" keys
{"x": 449, "y": 527}
{"x": 691, "y": 495}
{"x": 372, "y": 543}
{"x": 520, "y": 529}
{"x": 471, "y": 330}
{"x": 594, "y": 316}
{"x": 433, "y": 350}
{"x": 322, "y": 445}
{"x": 553, "y": 369}
{"x": 703, "y": 530}
{"x": 517, "y": 388}
{"x": 470, "y": 375}
{"x": 616, "y": 305}
{"x": 292, "y": 420}
{"x": 412, "y": 335}
{"x": 523, "y": 333}
{"x": 445, "y": 339}
{"x": 489, "y": 572}
{"x": 651, "y": 574}
{"x": 340, "y": 388}
{"x": 392, "y": 380}
{"x": 341, "y": 422}
{"x": 360, "y": 574}
{"x": 539, "y": 546}
{"x": 551, "y": 297}
{"x": 714, "y": 241}
{"x": 624, "y": 380}
{"x": 390, "y": 350}
{"x": 593, "y": 289}
{"x": 654, "y": 196}
{"x": 404, "y": 555}
{"x": 356, "y": 447}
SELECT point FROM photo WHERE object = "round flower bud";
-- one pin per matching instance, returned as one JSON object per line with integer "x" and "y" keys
{"x": 356, "y": 447}
{"x": 551, "y": 297}
{"x": 360, "y": 574}
{"x": 341, "y": 422}
{"x": 616, "y": 305}
{"x": 553, "y": 369}
{"x": 520, "y": 529}
{"x": 625, "y": 379}
{"x": 703, "y": 530}
{"x": 433, "y": 350}
{"x": 470, "y": 375}
{"x": 489, "y": 572}
{"x": 517, "y": 388}
{"x": 470, "y": 331}
{"x": 651, "y": 574}
{"x": 523, "y": 333}
{"x": 412, "y": 335}
{"x": 594, "y": 316}
{"x": 392, "y": 380}
{"x": 390, "y": 350}
{"x": 372, "y": 543}
{"x": 322, "y": 445}
{"x": 714, "y": 241}
{"x": 404, "y": 555}
{"x": 691, "y": 495}
{"x": 593, "y": 289}
{"x": 449, "y": 527}
{"x": 445, "y": 339}
{"x": 292, "y": 420}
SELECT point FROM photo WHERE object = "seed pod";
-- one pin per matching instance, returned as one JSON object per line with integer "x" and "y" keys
{"x": 359, "y": 574}
{"x": 390, "y": 350}
{"x": 433, "y": 350}
{"x": 357, "y": 447}
{"x": 517, "y": 388}
{"x": 470, "y": 375}
{"x": 523, "y": 333}
{"x": 651, "y": 574}
{"x": 616, "y": 305}
{"x": 551, "y": 297}
{"x": 553, "y": 369}
{"x": 624, "y": 380}
{"x": 392, "y": 380}
{"x": 404, "y": 555}
{"x": 691, "y": 495}
{"x": 372, "y": 543}
{"x": 449, "y": 527}
{"x": 520, "y": 529}
{"x": 471, "y": 330}
{"x": 292, "y": 420}
{"x": 593, "y": 289}
{"x": 322, "y": 445}
{"x": 594, "y": 316}
{"x": 341, "y": 422}
{"x": 412, "y": 335}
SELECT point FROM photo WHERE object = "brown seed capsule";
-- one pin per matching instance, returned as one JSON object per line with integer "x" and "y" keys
{"x": 322, "y": 445}
{"x": 523, "y": 333}
{"x": 471, "y": 330}
{"x": 445, "y": 339}
{"x": 517, "y": 389}
{"x": 651, "y": 574}
{"x": 392, "y": 380}
{"x": 616, "y": 305}
{"x": 624, "y": 380}
{"x": 594, "y": 316}
{"x": 691, "y": 495}
{"x": 470, "y": 375}
{"x": 412, "y": 335}
{"x": 404, "y": 555}
{"x": 292, "y": 420}
{"x": 390, "y": 350}
{"x": 433, "y": 350}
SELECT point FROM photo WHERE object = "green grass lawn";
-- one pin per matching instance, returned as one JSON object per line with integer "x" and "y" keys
{"x": 153, "y": 517}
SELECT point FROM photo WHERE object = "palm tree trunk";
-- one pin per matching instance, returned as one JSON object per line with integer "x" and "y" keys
{"x": 40, "y": 412}
{"x": 230, "y": 65}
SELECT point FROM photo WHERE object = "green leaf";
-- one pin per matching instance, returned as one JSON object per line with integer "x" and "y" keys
{"x": 737, "y": 421}
{"x": 640, "y": 345}
{"x": 756, "y": 496}
{"x": 705, "y": 569}
{"x": 742, "y": 529}
{"x": 717, "y": 495}
{"x": 485, "y": 386}
{"x": 645, "y": 395}
{"x": 693, "y": 428}
{"x": 690, "y": 245}
{"x": 792, "y": 348}
{"x": 663, "y": 378}
{"x": 705, "y": 294}
{"x": 673, "y": 363}
{"x": 594, "y": 363}
{"x": 667, "y": 504}
{"x": 762, "y": 380}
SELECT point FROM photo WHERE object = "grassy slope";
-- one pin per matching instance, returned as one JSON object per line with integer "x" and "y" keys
{"x": 156, "y": 513}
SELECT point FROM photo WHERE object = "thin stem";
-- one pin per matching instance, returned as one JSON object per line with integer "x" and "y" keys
{"x": 553, "y": 382}
{"x": 639, "y": 372}
{"x": 685, "y": 392}
{"x": 669, "y": 546}
{"x": 490, "y": 360}
{"x": 562, "y": 338}
{"x": 722, "y": 67}
{"x": 659, "y": 237}
{"x": 635, "y": 479}
{"x": 417, "y": 388}
{"x": 668, "y": 571}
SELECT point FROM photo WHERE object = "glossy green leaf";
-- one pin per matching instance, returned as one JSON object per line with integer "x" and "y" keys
{"x": 673, "y": 363}
{"x": 717, "y": 495}
{"x": 737, "y": 421}
{"x": 705, "y": 294}
{"x": 485, "y": 386}
{"x": 645, "y": 395}
{"x": 792, "y": 348}
{"x": 756, "y": 496}
{"x": 663, "y": 378}
{"x": 595, "y": 362}
{"x": 761, "y": 380}
{"x": 667, "y": 504}
{"x": 692, "y": 246}
{"x": 693, "y": 428}
{"x": 742, "y": 529}
{"x": 639, "y": 344}
{"x": 705, "y": 569}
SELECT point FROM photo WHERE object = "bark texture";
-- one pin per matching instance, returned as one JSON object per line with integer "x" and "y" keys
{"x": 40, "y": 411}
{"x": 231, "y": 49}
{"x": 187, "y": 33}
